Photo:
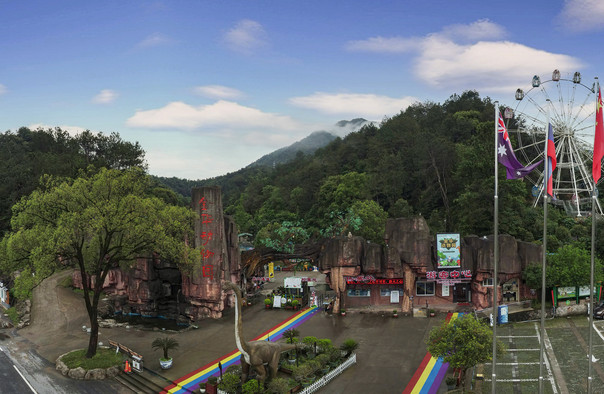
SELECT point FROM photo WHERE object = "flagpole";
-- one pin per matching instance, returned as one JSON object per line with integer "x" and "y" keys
{"x": 546, "y": 175}
{"x": 594, "y": 196}
{"x": 495, "y": 254}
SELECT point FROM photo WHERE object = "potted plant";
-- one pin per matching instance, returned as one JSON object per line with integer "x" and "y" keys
{"x": 432, "y": 312}
{"x": 295, "y": 304}
{"x": 202, "y": 387}
{"x": 394, "y": 313}
{"x": 212, "y": 385}
{"x": 165, "y": 344}
{"x": 349, "y": 346}
{"x": 343, "y": 312}
{"x": 267, "y": 303}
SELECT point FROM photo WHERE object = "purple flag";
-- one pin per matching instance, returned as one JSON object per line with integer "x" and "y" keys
{"x": 506, "y": 155}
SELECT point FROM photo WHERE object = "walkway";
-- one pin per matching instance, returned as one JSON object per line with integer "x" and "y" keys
{"x": 430, "y": 373}
{"x": 190, "y": 382}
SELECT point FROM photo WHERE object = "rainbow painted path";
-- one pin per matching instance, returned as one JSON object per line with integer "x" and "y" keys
{"x": 431, "y": 371}
{"x": 190, "y": 382}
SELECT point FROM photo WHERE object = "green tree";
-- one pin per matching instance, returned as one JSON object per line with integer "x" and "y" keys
{"x": 569, "y": 266}
{"x": 463, "y": 343}
{"x": 96, "y": 222}
{"x": 373, "y": 219}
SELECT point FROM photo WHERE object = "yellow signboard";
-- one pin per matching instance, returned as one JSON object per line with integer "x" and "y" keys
{"x": 271, "y": 270}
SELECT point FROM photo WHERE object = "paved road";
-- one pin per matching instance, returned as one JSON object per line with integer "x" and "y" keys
{"x": 390, "y": 348}
{"x": 12, "y": 381}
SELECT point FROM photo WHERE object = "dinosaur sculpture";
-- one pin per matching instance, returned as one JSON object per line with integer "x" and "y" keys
{"x": 263, "y": 356}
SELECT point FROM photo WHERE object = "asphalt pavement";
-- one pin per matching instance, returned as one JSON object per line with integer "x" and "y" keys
{"x": 390, "y": 349}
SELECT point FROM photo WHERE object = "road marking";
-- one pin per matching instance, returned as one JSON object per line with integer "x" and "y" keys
{"x": 25, "y": 380}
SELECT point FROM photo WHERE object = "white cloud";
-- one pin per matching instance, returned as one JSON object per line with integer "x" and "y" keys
{"x": 358, "y": 105}
{"x": 246, "y": 37}
{"x": 482, "y": 29}
{"x": 497, "y": 66}
{"x": 3, "y": 89}
{"x": 218, "y": 92}
{"x": 383, "y": 45}
{"x": 582, "y": 15}
{"x": 154, "y": 40}
{"x": 225, "y": 114}
{"x": 106, "y": 96}
{"x": 468, "y": 57}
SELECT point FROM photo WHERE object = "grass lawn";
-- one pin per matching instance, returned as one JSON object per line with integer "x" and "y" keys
{"x": 104, "y": 358}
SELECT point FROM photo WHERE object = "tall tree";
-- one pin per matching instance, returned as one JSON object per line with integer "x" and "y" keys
{"x": 96, "y": 222}
{"x": 463, "y": 343}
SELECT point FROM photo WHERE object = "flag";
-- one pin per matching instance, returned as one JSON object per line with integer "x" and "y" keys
{"x": 506, "y": 155}
{"x": 598, "y": 141}
{"x": 551, "y": 161}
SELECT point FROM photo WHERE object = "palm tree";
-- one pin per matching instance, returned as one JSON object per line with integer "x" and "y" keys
{"x": 349, "y": 346}
{"x": 166, "y": 344}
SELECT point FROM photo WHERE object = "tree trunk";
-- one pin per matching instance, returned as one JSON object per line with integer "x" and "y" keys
{"x": 94, "y": 332}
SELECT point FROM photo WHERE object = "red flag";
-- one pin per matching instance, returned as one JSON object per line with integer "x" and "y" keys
{"x": 551, "y": 160}
{"x": 598, "y": 141}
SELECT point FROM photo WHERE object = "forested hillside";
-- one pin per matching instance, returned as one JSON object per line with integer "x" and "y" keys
{"x": 27, "y": 154}
{"x": 434, "y": 160}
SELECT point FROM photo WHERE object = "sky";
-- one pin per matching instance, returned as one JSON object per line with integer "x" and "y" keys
{"x": 208, "y": 87}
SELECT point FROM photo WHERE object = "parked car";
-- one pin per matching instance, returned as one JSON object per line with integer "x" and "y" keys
{"x": 599, "y": 310}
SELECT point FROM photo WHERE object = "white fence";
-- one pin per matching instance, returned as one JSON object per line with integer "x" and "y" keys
{"x": 325, "y": 379}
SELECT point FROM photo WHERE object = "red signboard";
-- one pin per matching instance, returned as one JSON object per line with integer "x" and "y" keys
{"x": 371, "y": 280}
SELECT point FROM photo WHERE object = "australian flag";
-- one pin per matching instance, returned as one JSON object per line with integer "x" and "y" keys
{"x": 506, "y": 155}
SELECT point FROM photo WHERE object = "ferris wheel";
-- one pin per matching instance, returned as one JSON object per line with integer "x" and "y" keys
{"x": 570, "y": 106}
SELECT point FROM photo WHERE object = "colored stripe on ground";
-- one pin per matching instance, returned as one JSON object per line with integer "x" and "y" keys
{"x": 430, "y": 373}
{"x": 190, "y": 382}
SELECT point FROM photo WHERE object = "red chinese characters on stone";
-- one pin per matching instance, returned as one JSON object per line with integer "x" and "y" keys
{"x": 206, "y": 218}
{"x": 206, "y": 254}
{"x": 207, "y": 271}
{"x": 206, "y": 236}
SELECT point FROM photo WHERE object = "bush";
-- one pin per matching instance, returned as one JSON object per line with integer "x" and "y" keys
{"x": 251, "y": 387}
{"x": 229, "y": 383}
{"x": 322, "y": 359}
{"x": 278, "y": 386}
{"x": 13, "y": 315}
{"x": 268, "y": 301}
{"x": 324, "y": 344}
{"x": 302, "y": 372}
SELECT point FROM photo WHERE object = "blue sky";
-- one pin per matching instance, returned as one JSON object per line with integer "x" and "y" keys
{"x": 207, "y": 87}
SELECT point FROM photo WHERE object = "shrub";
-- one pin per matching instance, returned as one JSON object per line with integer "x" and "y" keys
{"x": 251, "y": 387}
{"x": 291, "y": 334}
{"x": 229, "y": 383}
{"x": 302, "y": 372}
{"x": 295, "y": 303}
{"x": 13, "y": 315}
{"x": 324, "y": 344}
{"x": 278, "y": 386}
{"x": 322, "y": 359}
{"x": 268, "y": 301}
{"x": 334, "y": 354}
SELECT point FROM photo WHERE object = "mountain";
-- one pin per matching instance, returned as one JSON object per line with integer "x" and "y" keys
{"x": 310, "y": 144}
{"x": 307, "y": 145}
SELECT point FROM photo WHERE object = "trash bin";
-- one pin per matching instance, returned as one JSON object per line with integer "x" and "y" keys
{"x": 502, "y": 317}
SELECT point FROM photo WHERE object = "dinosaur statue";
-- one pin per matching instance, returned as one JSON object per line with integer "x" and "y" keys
{"x": 263, "y": 356}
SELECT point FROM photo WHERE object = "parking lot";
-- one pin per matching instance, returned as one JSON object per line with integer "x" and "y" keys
{"x": 566, "y": 361}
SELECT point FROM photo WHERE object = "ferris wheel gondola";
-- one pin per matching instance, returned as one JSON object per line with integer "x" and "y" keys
{"x": 570, "y": 107}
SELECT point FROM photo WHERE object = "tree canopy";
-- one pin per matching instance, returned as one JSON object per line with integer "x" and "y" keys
{"x": 101, "y": 220}
{"x": 463, "y": 343}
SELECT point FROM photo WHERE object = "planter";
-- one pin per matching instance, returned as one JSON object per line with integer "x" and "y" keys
{"x": 165, "y": 364}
